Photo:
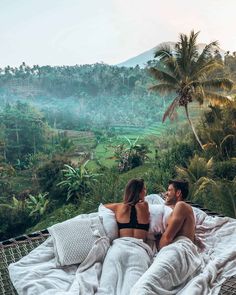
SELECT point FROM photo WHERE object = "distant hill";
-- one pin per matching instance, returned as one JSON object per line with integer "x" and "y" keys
{"x": 144, "y": 57}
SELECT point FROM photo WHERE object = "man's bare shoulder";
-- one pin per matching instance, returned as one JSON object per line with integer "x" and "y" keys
{"x": 181, "y": 205}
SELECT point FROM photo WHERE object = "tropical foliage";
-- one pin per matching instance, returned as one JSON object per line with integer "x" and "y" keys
{"x": 23, "y": 132}
{"x": 77, "y": 181}
{"x": 131, "y": 155}
{"x": 218, "y": 131}
{"x": 185, "y": 74}
{"x": 37, "y": 205}
{"x": 207, "y": 188}
{"x": 54, "y": 119}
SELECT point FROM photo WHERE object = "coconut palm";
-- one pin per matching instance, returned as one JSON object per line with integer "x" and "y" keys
{"x": 186, "y": 72}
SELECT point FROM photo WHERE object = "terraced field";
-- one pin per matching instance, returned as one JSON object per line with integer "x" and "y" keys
{"x": 104, "y": 151}
{"x": 83, "y": 140}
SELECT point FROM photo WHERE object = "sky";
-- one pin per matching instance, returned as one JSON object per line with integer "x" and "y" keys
{"x": 70, "y": 32}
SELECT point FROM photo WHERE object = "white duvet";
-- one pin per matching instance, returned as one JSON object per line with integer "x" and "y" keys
{"x": 37, "y": 273}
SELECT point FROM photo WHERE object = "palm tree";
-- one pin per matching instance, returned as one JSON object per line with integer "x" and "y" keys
{"x": 185, "y": 71}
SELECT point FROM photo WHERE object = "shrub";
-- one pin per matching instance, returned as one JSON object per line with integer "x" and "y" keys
{"x": 157, "y": 180}
{"x": 225, "y": 169}
{"x": 78, "y": 181}
{"x": 13, "y": 222}
{"x": 178, "y": 154}
{"x": 50, "y": 174}
{"x": 219, "y": 196}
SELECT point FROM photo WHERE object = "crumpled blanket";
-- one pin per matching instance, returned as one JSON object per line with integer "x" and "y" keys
{"x": 218, "y": 262}
{"x": 218, "y": 235}
{"x": 37, "y": 273}
{"x": 171, "y": 269}
{"x": 125, "y": 262}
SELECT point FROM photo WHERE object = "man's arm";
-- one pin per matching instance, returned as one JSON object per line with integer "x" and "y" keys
{"x": 175, "y": 224}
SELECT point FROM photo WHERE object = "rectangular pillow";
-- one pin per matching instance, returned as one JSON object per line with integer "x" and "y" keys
{"x": 159, "y": 215}
{"x": 74, "y": 238}
{"x": 155, "y": 199}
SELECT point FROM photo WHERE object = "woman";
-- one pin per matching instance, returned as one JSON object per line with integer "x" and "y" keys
{"x": 132, "y": 215}
{"x": 129, "y": 256}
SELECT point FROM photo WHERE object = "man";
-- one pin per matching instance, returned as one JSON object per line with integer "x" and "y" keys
{"x": 178, "y": 259}
{"x": 181, "y": 222}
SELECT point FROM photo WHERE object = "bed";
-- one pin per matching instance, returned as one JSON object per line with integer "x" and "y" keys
{"x": 14, "y": 249}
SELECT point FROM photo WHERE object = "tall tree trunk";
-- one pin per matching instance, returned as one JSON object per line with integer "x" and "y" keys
{"x": 193, "y": 129}
{"x": 4, "y": 151}
{"x": 17, "y": 139}
{"x": 34, "y": 145}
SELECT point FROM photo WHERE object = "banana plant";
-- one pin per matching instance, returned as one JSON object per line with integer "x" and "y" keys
{"x": 37, "y": 205}
{"x": 78, "y": 181}
{"x": 18, "y": 204}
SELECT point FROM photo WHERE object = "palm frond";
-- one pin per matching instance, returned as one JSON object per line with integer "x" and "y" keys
{"x": 173, "y": 67}
{"x": 205, "y": 55}
{"x": 202, "y": 70}
{"x": 186, "y": 52}
{"x": 162, "y": 88}
{"x": 163, "y": 76}
{"x": 225, "y": 138}
{"x": 198, "y": 93}
{"x": 171, "y": 109}
{"x": 208, "y": 145}
{"x": 210, "y": 163}
{"x": 129, "y": 141}
{"x": 162, "y": 52}
{"x": 217, "y": 99}
{"x": 202, "y": 184}
{"x": 185, "y": 174}
{"x": 220, "y": 83}
{"x": 136, "y": 140}
{"x": 69, "y": 168}
{"x": 192, "y": 45}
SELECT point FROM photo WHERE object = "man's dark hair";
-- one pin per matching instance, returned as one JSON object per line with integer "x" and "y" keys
{"x": 181, "y": 185}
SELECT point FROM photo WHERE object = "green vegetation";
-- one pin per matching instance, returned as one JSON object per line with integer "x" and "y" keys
{"x": 71, "y": 137}
{"x": 185, "y": 73}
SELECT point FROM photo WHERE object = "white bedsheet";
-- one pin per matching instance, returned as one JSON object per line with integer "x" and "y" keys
{"x": 171, "y": 269}
{"x": 37, "y": 273}
{"x": 218, "y": 261}
{"x": 125, "y": 262}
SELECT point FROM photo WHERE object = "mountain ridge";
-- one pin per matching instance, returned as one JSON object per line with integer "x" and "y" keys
{"x": 142, "y": 58}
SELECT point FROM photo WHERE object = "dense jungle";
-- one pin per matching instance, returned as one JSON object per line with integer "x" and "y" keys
{"x": 72, "y": 136}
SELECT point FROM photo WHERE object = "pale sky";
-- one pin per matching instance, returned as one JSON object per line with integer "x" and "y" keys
{"x": 69, "y": 32}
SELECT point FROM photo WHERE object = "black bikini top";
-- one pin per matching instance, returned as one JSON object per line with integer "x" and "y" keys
{"x": 133, "y": 223}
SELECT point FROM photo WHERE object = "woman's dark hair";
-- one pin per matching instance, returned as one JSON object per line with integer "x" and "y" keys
{"x": 132, "y": 191}
{"x": 181, "y": 185}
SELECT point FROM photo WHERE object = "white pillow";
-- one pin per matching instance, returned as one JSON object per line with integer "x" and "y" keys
{"x": 159, "y": 215}
{"x": 199, "y": 215}
{"x": 74, "y": 238}
{"x": 109, "y": 222}
{"x": 154, "y": 199}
